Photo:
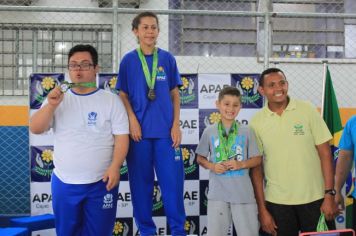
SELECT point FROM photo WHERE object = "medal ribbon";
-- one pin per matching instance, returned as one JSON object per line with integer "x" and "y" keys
{"x": 81, "y": 84}
{"x": 150, "y": 80}
{"x": 226, "y": 141}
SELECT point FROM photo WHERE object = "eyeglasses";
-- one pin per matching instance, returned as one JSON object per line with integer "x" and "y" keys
{"x": 280, "y": 83}
{"x": 82, "y": 66}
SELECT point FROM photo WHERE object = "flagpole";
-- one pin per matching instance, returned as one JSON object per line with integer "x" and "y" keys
{"x": 325, "y": 66}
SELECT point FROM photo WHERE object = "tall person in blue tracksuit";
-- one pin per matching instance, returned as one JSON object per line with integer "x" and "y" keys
{"x": 148, "y": 83}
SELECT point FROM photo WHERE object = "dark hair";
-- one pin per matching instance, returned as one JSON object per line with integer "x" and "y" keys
{"x": 269, "y": 71}
{"x": 137, "y": 20}
{"x": 229, "y": 91}
{"x": 84, "y": 48}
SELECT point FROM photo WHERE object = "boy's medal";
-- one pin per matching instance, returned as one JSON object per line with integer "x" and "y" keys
{"x": 65, "y": 85}
{"x": 149, "y": 79}
{"x": 226, "y": 141}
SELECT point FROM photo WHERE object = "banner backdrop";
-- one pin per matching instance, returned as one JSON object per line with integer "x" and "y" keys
{"x": 198, "y": 110}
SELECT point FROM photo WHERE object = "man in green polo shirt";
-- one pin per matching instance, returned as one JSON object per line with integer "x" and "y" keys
{"x": 297, "y": 166}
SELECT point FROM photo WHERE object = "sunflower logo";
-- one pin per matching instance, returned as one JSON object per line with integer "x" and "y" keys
{"x": 160, "y": 69}
{"x": 47, "y": 83}
{"x": 188, "y": 157}
{"x": 214, "y": 117}
{"x": 247, "y": 83}
{"x": 118, "y": 228}
{"x": 157, "y": 198}
{"x": 185, "y": 154}
{"x": 185, "y": 83}
{"x": 187, "y": 226}
{"x": 47, "y": 155}
{"x": 112, "y": 82}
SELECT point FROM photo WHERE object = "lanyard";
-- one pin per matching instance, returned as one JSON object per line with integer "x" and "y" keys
{"x": 65, "y": 85}
{"x": 150, "y": 80}
{"x": 226, "y": 141}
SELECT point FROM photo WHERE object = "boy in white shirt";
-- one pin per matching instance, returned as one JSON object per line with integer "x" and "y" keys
{"x": 90, "y": 129}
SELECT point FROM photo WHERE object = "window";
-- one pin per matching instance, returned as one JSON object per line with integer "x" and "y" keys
{"x": 25, "y": 48}
{"x": 202, "y": 35}
{"x": 308, "y": 37}
{"x": 197, "y": 35}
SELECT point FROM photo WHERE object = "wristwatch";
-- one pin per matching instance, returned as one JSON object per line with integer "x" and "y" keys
{"x": 332, "y": 192}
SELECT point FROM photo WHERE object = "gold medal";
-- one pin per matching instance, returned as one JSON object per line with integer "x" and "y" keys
{"x": 151, "y": 94}
{"x": 150, "y": 79}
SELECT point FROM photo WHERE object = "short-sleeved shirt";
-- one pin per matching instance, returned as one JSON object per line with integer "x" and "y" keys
{"x": 155, "y": 117}
{"x": 348, "y": 141}
{"x": 84, "y": 126}
{"x": 288, "y": 141}
{"x": 231, "y": 186}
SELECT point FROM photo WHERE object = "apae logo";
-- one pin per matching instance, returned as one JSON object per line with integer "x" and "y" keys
{"x": 108, "y": 201}
{"x": 42, "y": 198}
{"x": 191, "y": 225}
{"x": 191, "y": 197}
{"x": 109, "y": 83}
{"x": 42, "y": 163}
{"x": 186, "y": 92}
{"x": 44, "y": 87}
{"x": 121, "y": 228}
{"x": 203, "y": 191}
{"x": 248, "y": 88}
{"x": 212, "y": 118}
{"x": 41, "y": 85}
{"x": 177, "y": 154}
{"x": 157, "y": 198}
{"x": 189, "y": 160}
{"x": 212, "y": 88}
{"x": 42, "y": 201}
{"x": 208, "y": 117}
{"x": 123, "y": 169}
{"x": 161, "y": 74}
{"x": 248, "y": 85}
{"x": 188, "y": 124}
{"x": 124, "y": 199}
{"x": 92, "y": 116}
{"x": 210, "y": 91}
{"x": 298, "y": 129}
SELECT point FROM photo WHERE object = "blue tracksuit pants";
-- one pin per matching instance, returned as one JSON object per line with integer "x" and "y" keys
{"x": 83, "y": 209}
{"x": 145, "y": 158}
